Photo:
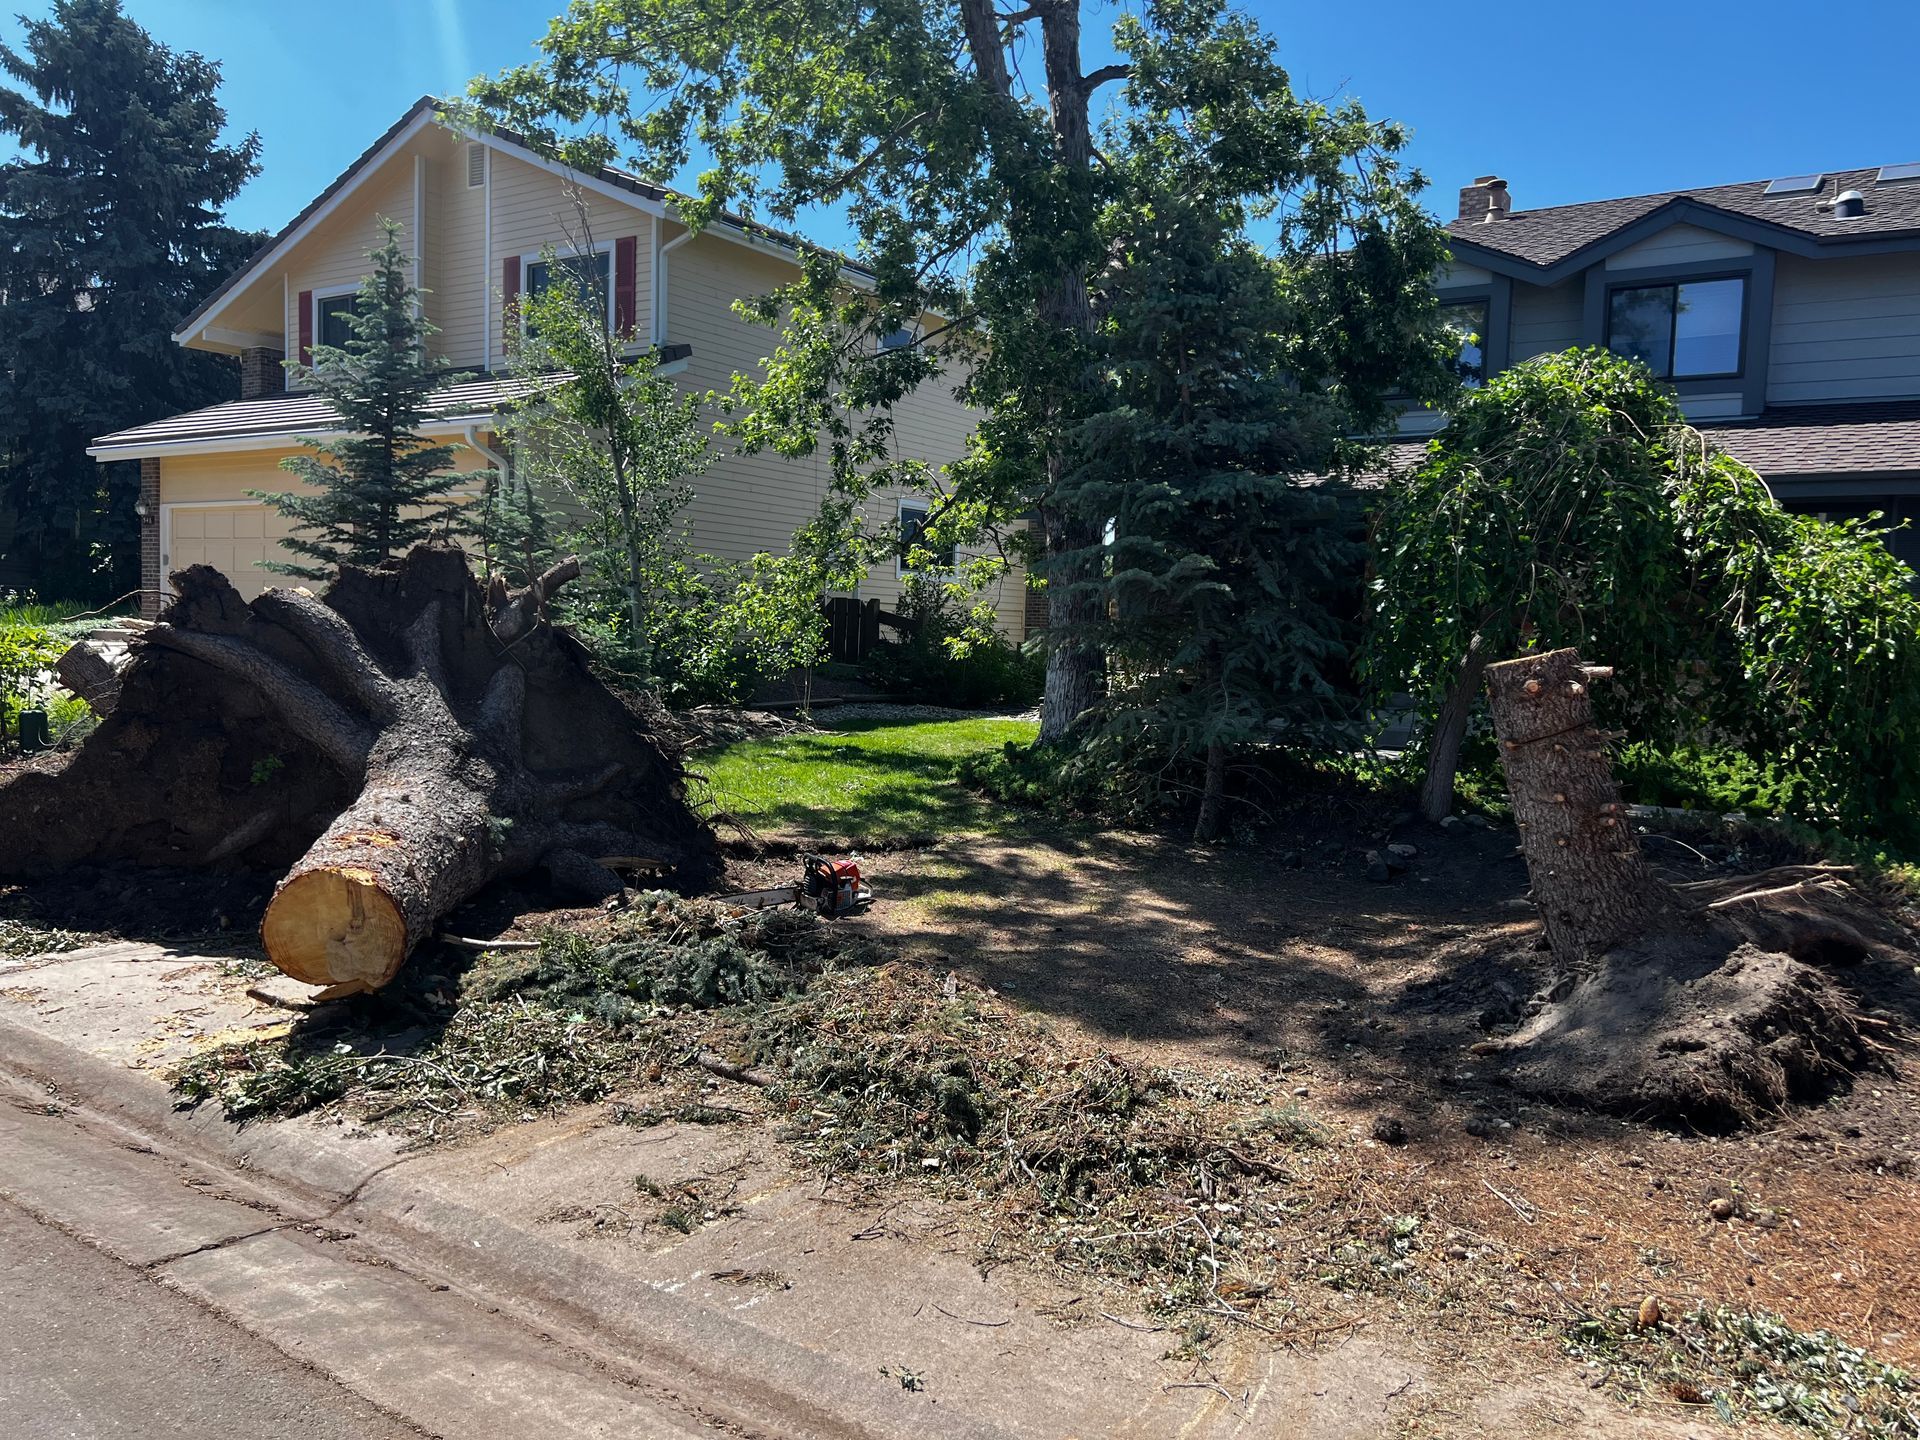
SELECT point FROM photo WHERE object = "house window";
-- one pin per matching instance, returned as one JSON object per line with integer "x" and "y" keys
{"x": 898, "y": 339}
{"x": 1468, "y": 320}
{"x": 915, "y": 516}
{"x": 590, "y": 276}
{"x": 330, "y": 316}
{"x": 1690, "y": 330}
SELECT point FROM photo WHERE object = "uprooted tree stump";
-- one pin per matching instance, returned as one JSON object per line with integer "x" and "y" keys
{"x": 393, "y": 746}
{"x": 1708, "y": 1003}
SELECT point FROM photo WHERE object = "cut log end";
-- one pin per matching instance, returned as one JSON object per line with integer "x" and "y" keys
{"x": 335, "y": 926}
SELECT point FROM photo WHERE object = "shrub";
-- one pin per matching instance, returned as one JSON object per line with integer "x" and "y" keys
{"x": 715, "y": 631}
{"x": 27, "y": 652}
{"x": 944, "y": 659}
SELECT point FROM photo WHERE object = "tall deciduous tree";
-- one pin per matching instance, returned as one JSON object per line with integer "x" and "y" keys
{"x": 959, "y": 138}
{"x": 382, "y": 488}
{"x": 110, "y": 231}
{"x": 600, "y": 422}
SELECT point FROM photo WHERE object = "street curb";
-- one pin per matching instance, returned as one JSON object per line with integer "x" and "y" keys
{"x": 794, "y": 1391}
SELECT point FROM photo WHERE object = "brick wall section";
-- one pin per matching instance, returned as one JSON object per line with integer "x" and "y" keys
{"x": 1036, "y": 616}
{"x": 152, "y": 583}
{"x": 262, "y": 373}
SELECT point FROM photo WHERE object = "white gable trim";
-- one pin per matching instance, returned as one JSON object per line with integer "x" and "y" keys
{"x": 726, "y": 230}
{"x": 272, "y": 257}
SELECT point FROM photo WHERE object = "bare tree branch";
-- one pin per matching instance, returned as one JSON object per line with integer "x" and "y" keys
{"x": 1095, "y": 79}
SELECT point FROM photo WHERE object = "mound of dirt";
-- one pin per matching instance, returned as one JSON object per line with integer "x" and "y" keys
{"x": 1679, "y": 1028}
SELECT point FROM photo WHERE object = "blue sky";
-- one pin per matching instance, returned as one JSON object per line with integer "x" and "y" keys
{"x": 1686, "y": 92}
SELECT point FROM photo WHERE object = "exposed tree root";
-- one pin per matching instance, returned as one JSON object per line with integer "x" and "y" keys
{"x": 1708, "y": 1004}
{"x": 392, "y": 747}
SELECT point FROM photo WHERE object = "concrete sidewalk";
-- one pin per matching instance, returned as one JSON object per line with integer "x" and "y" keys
{"x": 786, "y": 1312}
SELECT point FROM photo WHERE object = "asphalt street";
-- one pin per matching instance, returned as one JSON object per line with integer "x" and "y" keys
{"x": 90, "y": 1347}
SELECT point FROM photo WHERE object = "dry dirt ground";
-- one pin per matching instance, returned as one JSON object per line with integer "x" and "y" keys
{"x": 1361, "y": 1002}
{"x": 1364, "y": 1000}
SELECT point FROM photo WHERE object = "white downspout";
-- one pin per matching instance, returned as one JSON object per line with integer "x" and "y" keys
{"x": 419, "y": 233}
{"x": 486, "y": 267}
{"x": 660, "y": 253}
{"x": 499, "y": 462}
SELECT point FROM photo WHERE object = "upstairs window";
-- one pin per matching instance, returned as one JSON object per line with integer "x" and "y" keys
{"x": 1685, "y": 331}
{"x": 915, "y": 516}
{"x": 898, "y": 339}
{"x": 590, "y": 276}
{"x": 1467, "y": 319}
{"x": 330, "y": 316}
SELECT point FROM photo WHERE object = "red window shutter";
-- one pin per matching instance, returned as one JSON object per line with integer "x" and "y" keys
{"x": 626, "y": 257}
{"x": 509, "y": 292}
{"x": 306, "y": 327}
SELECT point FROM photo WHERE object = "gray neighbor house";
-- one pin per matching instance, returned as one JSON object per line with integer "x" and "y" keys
{"x": 1785, "y": 312}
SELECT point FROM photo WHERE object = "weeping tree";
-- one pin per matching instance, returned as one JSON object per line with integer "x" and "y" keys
{"x": 1540, "y": 518}
{"x": 1567, "y": 504}
{"x": 959, "y": 139}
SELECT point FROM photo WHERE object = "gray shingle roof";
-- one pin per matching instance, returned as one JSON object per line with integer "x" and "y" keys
{"x": 299, "y": 414}
{"x": 1877, "y": 438}
{"x": 1547, "y": 236}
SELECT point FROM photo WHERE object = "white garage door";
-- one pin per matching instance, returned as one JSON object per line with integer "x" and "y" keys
{"x": 232, "y": 538}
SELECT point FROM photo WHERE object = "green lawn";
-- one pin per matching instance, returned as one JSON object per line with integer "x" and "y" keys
{"x": 867, "y": 782}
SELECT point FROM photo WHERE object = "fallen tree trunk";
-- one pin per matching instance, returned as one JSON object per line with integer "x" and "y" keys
{"x": 1709, "y": 1005}
{"x": 438, "y": 737}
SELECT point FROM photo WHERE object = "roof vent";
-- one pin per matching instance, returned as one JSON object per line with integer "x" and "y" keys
{"x": 1485, "y": 200}
{"x": 476, "y": 166}
{"x": 1849, "y": 205}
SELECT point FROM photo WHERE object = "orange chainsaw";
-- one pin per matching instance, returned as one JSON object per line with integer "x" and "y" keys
{"x": 832, "y": 887}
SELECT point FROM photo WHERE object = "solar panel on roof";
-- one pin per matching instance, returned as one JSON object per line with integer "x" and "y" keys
{"x": 1909, "y": 171}
{"x": 1793, "y": 185}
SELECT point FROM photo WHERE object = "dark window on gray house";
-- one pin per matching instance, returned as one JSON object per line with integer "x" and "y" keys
{"x": 1683, "y": 331}
{"x": 1468, "y": 320}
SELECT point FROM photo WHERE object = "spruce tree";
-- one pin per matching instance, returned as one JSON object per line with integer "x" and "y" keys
{"x": 110, "y": 232}
{"x": 382, "y": 488}
{"x": 1231, "y": 585}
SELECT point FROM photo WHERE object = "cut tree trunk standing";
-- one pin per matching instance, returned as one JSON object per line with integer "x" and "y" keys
{"x": 415, "y": 737}
{"x": 1707, "y": 1004}
{"x": 1590, "y": 881}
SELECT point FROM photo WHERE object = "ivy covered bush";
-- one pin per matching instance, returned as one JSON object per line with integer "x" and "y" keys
{"x": 27, "y": 654}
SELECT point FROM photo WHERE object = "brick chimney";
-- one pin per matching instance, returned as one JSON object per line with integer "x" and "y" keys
{"x": 1485, "y": 200}
{"x": 261, "y": 373}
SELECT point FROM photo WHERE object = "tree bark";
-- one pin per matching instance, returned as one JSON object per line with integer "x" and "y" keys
{"x": 1213, "y": 795}
{"x": 472, "y": 740}
{"x": 1450, "y": 733}
{"x": 1074, "y": 669}
{"x": 1590, "y": 881}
